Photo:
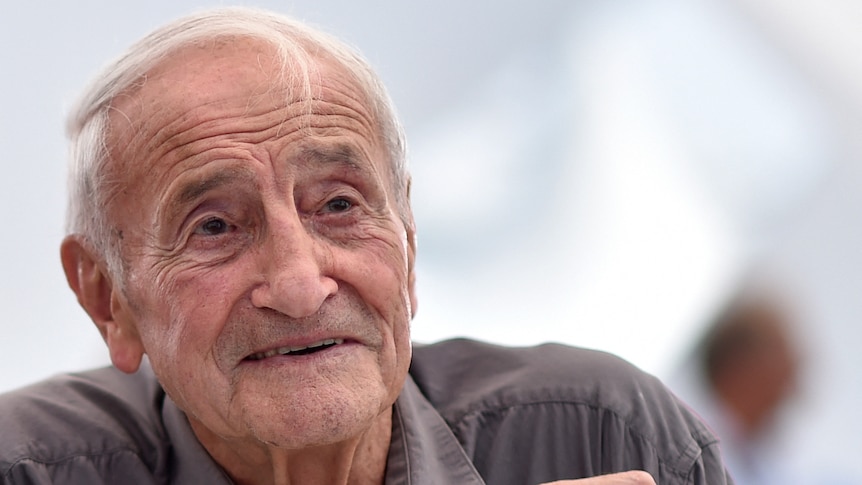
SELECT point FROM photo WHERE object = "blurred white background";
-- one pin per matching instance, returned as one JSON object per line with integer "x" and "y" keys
{"x": 599, "y": 173}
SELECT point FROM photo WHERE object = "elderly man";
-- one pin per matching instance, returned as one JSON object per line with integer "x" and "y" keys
{"x": 241, "y": 235}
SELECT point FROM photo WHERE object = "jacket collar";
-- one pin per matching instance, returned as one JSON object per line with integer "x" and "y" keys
{"x": 423, "y": 450}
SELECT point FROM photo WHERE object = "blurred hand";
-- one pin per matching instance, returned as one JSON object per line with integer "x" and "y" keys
{"x": 625, "y": 478}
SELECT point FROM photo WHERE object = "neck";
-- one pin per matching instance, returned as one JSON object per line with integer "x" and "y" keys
{"x": 359, "y": 460}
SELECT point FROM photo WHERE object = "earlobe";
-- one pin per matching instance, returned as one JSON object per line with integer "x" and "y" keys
{"x": 105, "y": 306}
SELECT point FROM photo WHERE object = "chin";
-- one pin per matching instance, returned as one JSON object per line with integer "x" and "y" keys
{"x": 312, "y": 419}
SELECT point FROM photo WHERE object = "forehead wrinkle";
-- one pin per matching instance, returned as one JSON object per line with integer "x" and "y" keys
{"x": 344, "y": 104}
{"x": 189, "y": 116}
{"x": 338, "y": 116}
{"x": 201, "y": 124}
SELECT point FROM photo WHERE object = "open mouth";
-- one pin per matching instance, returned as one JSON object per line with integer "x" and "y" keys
{"x": 294, "y": 350}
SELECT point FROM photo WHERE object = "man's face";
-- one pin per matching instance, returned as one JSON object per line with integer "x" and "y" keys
{"x": 267, "y": 270}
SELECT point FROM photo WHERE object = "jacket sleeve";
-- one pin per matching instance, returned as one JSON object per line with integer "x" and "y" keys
{"x": 709, "y": 469}
{"x": 121, "y": 466}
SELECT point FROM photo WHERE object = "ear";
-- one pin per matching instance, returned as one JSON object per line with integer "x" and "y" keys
{"x": 410, "y": 226}
{"x": 411, "y": 269}
{"x": 89, "y": 279}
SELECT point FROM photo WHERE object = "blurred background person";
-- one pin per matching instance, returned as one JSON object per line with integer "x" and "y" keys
{"x": 749, "y": 363}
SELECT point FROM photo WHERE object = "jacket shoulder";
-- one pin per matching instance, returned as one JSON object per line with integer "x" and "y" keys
{"x": 586, "y": 412}
{"x": 458, "y": 373}
{"x": 100, "y": 418}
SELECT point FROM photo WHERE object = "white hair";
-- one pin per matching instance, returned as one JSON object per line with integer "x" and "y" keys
{"x": 297, "y": 47}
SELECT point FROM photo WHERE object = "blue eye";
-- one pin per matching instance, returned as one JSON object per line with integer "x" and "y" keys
{"x": 338, "y": 205}
{"x": 213, "y": 227}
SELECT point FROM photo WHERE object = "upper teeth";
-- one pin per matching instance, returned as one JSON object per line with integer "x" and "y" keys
{"x": 291, "y": 348}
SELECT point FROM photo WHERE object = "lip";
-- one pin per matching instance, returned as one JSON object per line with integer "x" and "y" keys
{"x": 295, "y": 348}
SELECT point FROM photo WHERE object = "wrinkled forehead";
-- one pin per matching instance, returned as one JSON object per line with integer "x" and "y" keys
{"x": 211, "y": 74}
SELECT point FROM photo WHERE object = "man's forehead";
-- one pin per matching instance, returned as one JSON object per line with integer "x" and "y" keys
{"x": 203, "y": 82}
{"x": 205, "y": 74}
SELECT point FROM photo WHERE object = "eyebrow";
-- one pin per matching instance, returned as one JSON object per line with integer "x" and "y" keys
{"x": 192, "y": 190}
{"x": 339, "y": 154}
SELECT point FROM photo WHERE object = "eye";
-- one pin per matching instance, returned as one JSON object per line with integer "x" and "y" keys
{"x": 339, "y": 204}
{"x": 213, "y": 227}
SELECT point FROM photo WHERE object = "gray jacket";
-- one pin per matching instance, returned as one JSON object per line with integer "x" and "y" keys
{"x": 470, "y": 413}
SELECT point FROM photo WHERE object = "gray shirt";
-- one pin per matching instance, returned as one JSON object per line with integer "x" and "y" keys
{"x": 470, "y": 413}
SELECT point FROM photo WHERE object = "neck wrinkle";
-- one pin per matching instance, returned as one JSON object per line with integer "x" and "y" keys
{"x": 358, "y": 461}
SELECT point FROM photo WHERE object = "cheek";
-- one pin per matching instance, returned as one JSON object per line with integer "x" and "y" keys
{"x": 377, "y": 269}
{"x": 384, "y": 285}
{"x": 379, "y": 274}
{"x": 184, "y": 313}
{"x": 179, "y": 345}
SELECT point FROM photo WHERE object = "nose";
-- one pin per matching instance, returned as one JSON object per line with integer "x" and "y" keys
{"x": 294, "y": 264}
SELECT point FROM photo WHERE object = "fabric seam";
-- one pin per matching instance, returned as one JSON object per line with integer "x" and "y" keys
{"x": 619, "y": 416}
{"x": 67, "y": 458}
